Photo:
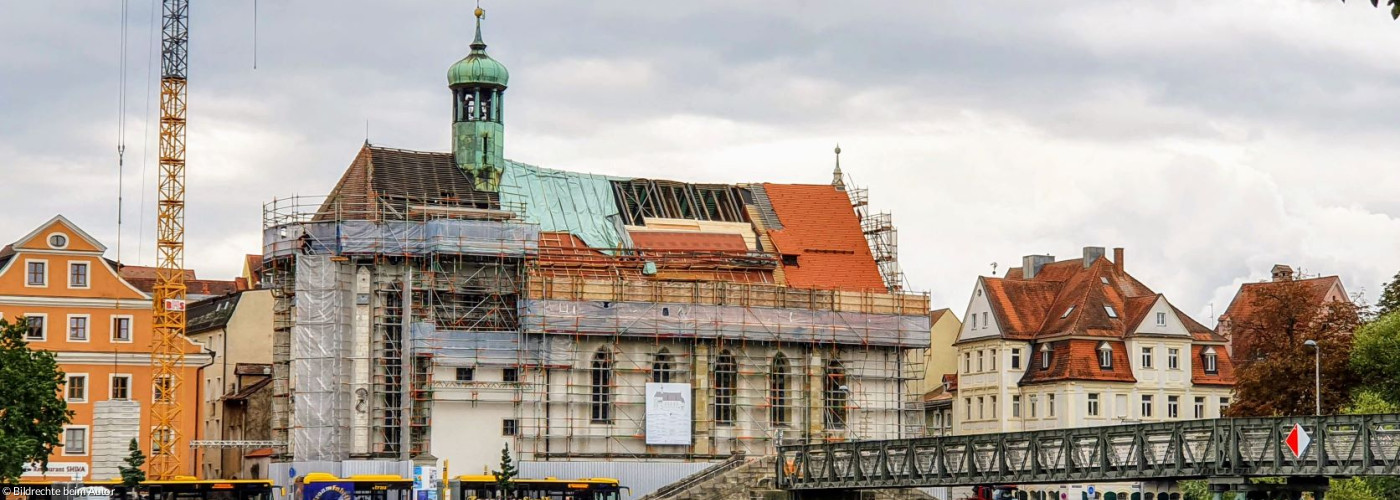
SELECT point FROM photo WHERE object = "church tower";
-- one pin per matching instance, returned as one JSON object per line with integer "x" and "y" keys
{"x": 478, "y": 86}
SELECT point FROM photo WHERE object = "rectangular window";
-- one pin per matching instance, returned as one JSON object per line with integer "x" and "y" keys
{"x": 967, "y": 403}
{"x": 1015, "y": 359}
{"x": 994, "y": 406}
{"x": 1050, "y": 405}
{"x": 1016, "y": 406}
{"x": 36, "y": 327}
{"x": 992, "y": 359}
{"x": 1224, "y": 406}
{"x": 465, "y": 374}
{"x": 981, "y": 367}
{"x": 78, "y": 328}
{"x": 1147, "y": 357}
{"x": 1093, "y": 409}
{"x": 1032, "y": 405}
{"x": 1173, "y": 359}
{"x": 75, "y": 441}
{"x": 1200, "y": 407}
{"x": 985, "y": 322}
{"x": 160, "y": 387}
{"x": 1173, "y": 410}
{"x": 121, "y": 329}
{"x": 510, "y": 374}
{"x": 38, "y": 272}
{"x": 1147, "y": 406}
{"x": 121, "y": 387}
{"x": 77, "y": 389}
{"x": 78, "y": 275}
{"x": 981, "y": 408}
{"x": 1161, "y": 319}
{"x": 967, "y": 362}
{"x": 974, "y": 321}
{"x": 1111, "y": 313}
{"x": 508, "y": 427}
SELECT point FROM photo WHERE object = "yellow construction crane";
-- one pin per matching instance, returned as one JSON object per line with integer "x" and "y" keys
{"x": 168, "y": 341}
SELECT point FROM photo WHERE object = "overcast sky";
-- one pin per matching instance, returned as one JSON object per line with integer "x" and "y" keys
{"x": 1211, "y": 139}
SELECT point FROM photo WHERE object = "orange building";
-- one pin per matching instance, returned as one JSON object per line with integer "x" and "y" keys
{"x": 57, "y": 281}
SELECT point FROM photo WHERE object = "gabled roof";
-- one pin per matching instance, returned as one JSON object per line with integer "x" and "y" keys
{"x": 1225, "y": 367}
{"x": 379, "y": 173}
{"x": 821, "y": 229}
{"x": 1078, "y": 359}
{"x": 59, "y": 219}
{"x": 1242, "y": 306}
{"x": 249, "y": 391}
{"x": 144, "y": 279}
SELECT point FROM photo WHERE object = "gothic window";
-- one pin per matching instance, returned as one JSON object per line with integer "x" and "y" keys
{"x": 778, "y": 391}
{"x": 662, "y": 366}
{"x": 726, "y": 374}
{"x": 601, "y": 374}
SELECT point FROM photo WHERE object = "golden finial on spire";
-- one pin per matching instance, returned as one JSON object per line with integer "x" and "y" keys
{"x": 480, "y": 12}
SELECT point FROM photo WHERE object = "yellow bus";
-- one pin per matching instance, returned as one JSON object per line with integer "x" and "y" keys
{"x": 322, "y": 486}
{"x": 484, "y": 487}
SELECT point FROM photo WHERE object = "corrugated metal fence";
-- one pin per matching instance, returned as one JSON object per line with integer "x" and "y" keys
{"x": 641, "y": 477}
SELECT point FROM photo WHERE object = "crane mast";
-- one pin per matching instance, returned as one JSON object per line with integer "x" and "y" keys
{"x": 168, "y": 301}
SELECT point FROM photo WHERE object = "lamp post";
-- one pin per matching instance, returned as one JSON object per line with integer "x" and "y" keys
{"x": 1317, "y": 374}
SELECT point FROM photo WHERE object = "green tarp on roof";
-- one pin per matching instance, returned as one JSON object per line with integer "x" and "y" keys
{"x": 581, "y": 204}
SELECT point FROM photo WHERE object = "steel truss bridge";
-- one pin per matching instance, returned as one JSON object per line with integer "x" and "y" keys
{"x": 1342, "y": 445}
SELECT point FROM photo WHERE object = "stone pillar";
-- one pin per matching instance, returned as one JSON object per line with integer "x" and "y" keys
{"x": 704, "y": 425}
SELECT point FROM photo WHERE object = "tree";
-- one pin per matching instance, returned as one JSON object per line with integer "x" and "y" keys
{"x": 1394, "y": 7}
{"x": 1375, "y": 358}
{"x": 31, "y": 412}
{"x": 132, "y": 475}
{"x": 507, "y": 473}
{"x": 1285, "y": 315}
{"x": 1390, "y": 297}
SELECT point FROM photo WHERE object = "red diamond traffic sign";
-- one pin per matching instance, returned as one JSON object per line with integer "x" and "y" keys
{"x": 1298, "y": 440}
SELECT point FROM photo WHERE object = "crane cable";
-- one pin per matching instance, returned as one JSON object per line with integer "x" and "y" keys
{"x": 121, "y": 130}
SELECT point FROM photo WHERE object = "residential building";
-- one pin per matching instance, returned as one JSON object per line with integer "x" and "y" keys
{"x": 941, "y": 358}
{"x": 1082, "y": 343}
{"x": 237, "y": 329}
{"x": 1243, "y": 307}
{"x": 581, "y": 319}
{"x": 144, "y": 279}
{"x": 77, "y": 306}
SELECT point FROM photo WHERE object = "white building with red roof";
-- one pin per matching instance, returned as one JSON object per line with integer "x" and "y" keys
{"x": 1078, "y": 343}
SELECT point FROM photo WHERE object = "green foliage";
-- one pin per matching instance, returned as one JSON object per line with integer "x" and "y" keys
{"x": 1390, "y": 297}
{"x": 31, "y": 412}
{"x": 1394, "y": 7}
{"x": 132, "y": 475}
{"x": 1366, "y": 401}
{"x": 1194, "y": 490}
{"x": 506, "y": 473}
{"x": 1352, "y": 489}
{"x": 1375, "y": 357}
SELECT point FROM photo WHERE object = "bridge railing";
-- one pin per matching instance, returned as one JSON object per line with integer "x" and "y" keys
{"x": 1342, "y": 445}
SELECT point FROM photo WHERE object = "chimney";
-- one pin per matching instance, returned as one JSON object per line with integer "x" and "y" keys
{"x": 1092, "y": 254}
{"x": 1031, "y": 264}
{"x": 1282, "y": 273}
{"x": 1118, "y": 259}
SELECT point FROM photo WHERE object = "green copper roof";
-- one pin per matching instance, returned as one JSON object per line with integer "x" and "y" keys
{"x": 477, "y": 67}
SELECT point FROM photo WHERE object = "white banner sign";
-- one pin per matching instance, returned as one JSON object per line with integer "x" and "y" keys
{"x": 67, "y": 469}
{"x": 668, "y": 413}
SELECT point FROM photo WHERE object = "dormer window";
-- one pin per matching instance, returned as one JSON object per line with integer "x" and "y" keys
{"x": 1045, "y": 352}
{"x": 1067, "y": 311}
{"x": 1103, "y": 279}
{"x": 1210, "y": 360}
{"x": 1105, "y": 356}
{"x": 1111, "y": 313}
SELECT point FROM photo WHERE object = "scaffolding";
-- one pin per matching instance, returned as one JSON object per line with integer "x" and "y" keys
{"x": 436, "y": 294}
{"x": 882, "y": 237}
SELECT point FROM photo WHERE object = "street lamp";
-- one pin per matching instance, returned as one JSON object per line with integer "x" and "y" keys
{"x": 1317, "y": 373}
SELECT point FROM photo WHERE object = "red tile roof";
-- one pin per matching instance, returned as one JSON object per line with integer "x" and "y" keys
{"x": 1078, "y": 359}
{"x": 1225, "y": 368}
{"x": 1244, "y": 306}
{"x": 563, "y": 254}
{"x": 821, "y": 230}
{"x": 144, "y": 279}
{"x": 688, "y": 240}
{"x": 1066, "y": 299}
